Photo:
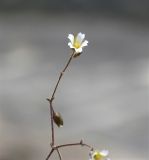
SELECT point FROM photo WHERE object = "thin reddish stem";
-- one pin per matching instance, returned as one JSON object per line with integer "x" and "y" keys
{"x": 48, "y": 156}
{"x": 60, "y": 76}
{"x": 52, "y": 121}
{"x": 74, "y": 144}
{"x": 52, "y": 97}
{"x": 60, "y": 157}
{"x": 81, "y": 143}
{"x": 52, "y": 125}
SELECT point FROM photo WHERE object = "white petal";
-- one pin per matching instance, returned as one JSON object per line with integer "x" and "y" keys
{"x": 78, "y": 50}
{"x": 104, "y": 153}
{"x": 71, "y": 38}
{"x": 80, "y": 37}
{"x": 70, "y": 45}
{"x": 85, "y": 43}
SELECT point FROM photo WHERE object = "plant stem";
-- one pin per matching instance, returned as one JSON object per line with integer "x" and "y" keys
{"x": 81, "y": 143}
{"x": 60, "y": 157}
{"x": 48, "y": 156}
{"x": 74, "y": 144}
{"x": 52, "y": 97}
{"x": 50, "y": 100}
{"x": 52, "y": 125}
{"x": 61, "y": 74}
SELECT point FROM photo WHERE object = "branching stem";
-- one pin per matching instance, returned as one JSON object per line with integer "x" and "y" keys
{"x": 50, "y": 100}
{"x": 81, "y": 143}
{"x": 48, "y": 156}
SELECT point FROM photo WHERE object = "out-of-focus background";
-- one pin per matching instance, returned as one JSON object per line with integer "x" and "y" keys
{"x": 104, "y": 96}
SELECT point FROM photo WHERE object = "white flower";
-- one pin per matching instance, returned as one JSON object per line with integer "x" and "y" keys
{"x": 77, "y": 42}
{"x": 102, "y": 155}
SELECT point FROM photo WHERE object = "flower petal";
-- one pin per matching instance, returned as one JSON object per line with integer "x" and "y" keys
{"x": 78, "y": 50}
{"x": 80, "y": 37}
{"x": 104, "y": 153}
{"x": 70, "y": 45}
{"x": 71, "y": 38}
{"x": 85, "y": 43}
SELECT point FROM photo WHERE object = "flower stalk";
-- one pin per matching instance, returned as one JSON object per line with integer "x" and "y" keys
{"x": 52, "y": 112}
{"x": 77, "y": 43}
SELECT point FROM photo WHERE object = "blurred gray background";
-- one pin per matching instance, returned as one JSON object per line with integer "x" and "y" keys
{"x": 103, "y": 97}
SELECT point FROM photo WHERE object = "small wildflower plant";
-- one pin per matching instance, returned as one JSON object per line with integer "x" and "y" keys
{"x": 76, "y": 43}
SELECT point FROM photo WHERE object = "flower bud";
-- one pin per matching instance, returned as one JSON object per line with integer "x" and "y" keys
{"x": 58, "y": 119}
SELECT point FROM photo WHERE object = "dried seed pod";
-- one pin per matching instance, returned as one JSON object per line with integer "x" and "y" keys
{"x": 58, "y": 119}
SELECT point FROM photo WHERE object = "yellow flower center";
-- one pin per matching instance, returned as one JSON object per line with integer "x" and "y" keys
{"x": 77, "y": 44}
{"x": 97, "y": 156}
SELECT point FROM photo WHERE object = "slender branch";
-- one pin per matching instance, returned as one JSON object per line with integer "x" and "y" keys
{"x": 81, "y": 143}
{"x": 61, "y": 74}
{"x": 52, "y": 125}
{"x": 48, "y": 156}
{"x": 74, "y": 144}
{"x": 50, "y": 100}
{"x": 60, "y": 157}
{"x": 52, "y": 97}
